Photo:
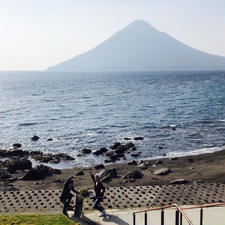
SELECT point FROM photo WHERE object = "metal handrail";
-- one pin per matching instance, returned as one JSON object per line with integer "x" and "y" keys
{"x": 183, "y": 213}
{"x": 155, "y": 209}
{"x": 162, "y": 208}
{"x": 179, "y": 210}
{"x": 206, "y": 206}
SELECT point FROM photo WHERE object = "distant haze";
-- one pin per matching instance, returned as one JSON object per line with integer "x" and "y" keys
{"x": 37, "y": 34}
{"x": 139, "y": 46}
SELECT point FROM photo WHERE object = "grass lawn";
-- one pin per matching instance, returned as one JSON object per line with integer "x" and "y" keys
{"x": 35, "y": 220}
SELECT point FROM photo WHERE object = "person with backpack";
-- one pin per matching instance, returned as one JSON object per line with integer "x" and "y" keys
{"x": 68, "y": 192}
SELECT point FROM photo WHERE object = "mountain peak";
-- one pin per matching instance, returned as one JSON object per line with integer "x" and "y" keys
{"x": 140, "y": 24}
{"x": 139, "y": 46}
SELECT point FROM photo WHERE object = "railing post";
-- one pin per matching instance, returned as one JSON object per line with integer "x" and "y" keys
{"x": 134, "y": 219}
{"x": 181, "y": 219}
{"x": 146, "y": 218}
{"x": 162, "y": 217}
{"x": 177, "y": 217}
{"x": 201, "y": 216}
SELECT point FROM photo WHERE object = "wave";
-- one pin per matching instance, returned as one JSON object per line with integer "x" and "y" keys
{"x": 28, "y": 124}
{"x": 48, "y": 100}
{"x": 197, "y": 151}
{"x": 188, "y": 153}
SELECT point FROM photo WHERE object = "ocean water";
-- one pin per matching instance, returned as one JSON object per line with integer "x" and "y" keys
{"x": 93, "y": 110}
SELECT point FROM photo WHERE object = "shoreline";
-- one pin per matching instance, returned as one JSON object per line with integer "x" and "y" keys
{"x": 202, "y": 168}
{"x": 62, "y": 165}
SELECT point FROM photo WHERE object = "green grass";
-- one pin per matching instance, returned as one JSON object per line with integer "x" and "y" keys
{"x": 35, "y": 220}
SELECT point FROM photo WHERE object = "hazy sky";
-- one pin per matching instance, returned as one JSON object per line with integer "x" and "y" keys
{"x": 35, "y": 34}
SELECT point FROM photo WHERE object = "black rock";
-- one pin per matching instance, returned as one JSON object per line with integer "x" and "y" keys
{"x": 158, "y": 162}
{"x": 17, "y": 153}
{"x": 138, "y": 138}
{"x": 18, "y": 164}
{"x": 49, "y": 139}
{"x": 45, "y": 158}
{"x": 100, "y": 166}
{"x": 107, "y": 160}
{"x": 107, "y": 175}
{"x": 110, "y": 153}
{"x": 86, "y": 151}
{"x": 162, "y": 171}
{"x": 129, "y": 180}
{"x": 3, "y": 153}
{"x": 99, "y": 151}
{"x": 129, "y": 145}
{"x": 132, "y": 162}
{"x": 80, "y": 173}
{"x": 143, "y": 166}
{"x": 190, "y": 159}
{"x": 113, "y": 172}
{"x": 54, "y": 171}
{"x": 140, "y": 162}
{"x": 173, "y": 158}
{"x": 172, "y": 127}
{"x": 115, "y": 145}
{"x": 179, "y": 181}
{"x": 115, "y": 157}
{"x": 63, "y": 156}
{"x": 103, "y": 150}
{"x": 107, "y": 178}
{"x": 4, "y": 174}
{"x": 33, "y": 153}
{"x": 35, "y": 138}
{"x": 120, "y": 149}
{"x": 126, "y": 138}
{"x": 16, "y": 145}
{"x": 37, "y": 173}
{"x": 133, "y": 148}
{"x": 136, "y": 174}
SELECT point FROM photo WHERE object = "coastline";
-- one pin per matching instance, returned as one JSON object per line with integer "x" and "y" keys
{"x": 62, "y": 165}
{"x": 202, "y": 168}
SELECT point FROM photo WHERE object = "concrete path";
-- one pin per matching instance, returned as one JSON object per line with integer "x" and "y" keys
{"x": 212, "y": 216}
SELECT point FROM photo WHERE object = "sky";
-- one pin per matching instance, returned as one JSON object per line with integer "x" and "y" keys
{"x": 36, "y": 34}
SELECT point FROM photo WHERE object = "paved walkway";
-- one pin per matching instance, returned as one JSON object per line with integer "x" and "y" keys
{"x": 212, "y": 216}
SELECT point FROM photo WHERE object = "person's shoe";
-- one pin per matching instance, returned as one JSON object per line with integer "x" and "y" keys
{"x": 102, "y": 214}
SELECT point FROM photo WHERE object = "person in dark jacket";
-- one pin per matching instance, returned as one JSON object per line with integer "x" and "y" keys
{"x": 99, "y": 193}
{"x": 68, "y": 192}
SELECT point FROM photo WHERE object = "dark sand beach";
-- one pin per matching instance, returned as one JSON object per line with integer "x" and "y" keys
{"x": 204, "y": 168}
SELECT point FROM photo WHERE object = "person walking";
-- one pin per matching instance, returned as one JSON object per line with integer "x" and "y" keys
{"x": 99, "y": 193}
{"x": 68, "y": 192}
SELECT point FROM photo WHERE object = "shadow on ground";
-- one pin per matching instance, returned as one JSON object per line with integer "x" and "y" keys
{"x": 83, "y": 220}
{"x": 114, "y": 219}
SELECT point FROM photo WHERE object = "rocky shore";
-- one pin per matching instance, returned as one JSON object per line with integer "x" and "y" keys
{"x": 17, "y": 173}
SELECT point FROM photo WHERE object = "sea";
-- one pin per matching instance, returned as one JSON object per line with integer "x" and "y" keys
{"x": 176, "y": 112}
